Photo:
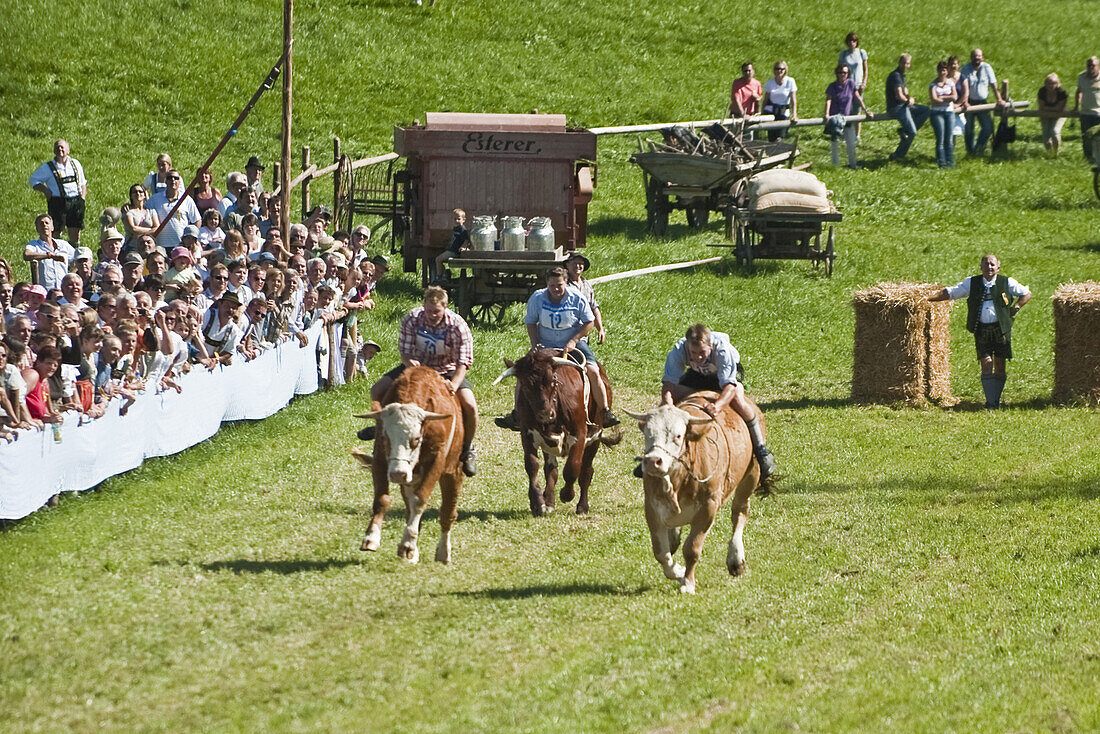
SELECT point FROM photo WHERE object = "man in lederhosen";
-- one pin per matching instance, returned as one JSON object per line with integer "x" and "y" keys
{"x": 61, "y": 180}
{"x": 993, "y": 300}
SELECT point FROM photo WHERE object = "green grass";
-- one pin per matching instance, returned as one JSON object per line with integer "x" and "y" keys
{"x": 925, "y": 570}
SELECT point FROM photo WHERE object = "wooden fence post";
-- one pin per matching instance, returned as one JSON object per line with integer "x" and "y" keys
{"x": 305, "y": 183}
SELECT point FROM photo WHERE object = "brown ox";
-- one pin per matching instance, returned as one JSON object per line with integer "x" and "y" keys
{"x": 692, "y": 464}
{"x": 550, "y": 408}
{"x": 419, "y": 442}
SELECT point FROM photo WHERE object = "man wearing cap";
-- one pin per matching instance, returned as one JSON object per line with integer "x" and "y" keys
{"x": 254, "y": 171}
{"x": 220, "y": 330}
{"x": 51, "y": 255}
{"x": 576, "y": 264}
{"x": 435, "y": 336}
{"x": 82, "y": 265}
{"x": 992, "y": 302}
{"x": 110, "y": 247}
{"x": 61, "y": 180}
{"x": 171, "y": 234}
{"x": 133, "y": 268}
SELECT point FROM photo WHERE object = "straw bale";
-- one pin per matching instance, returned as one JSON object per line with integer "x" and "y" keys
{"x": 902, "y": 345}
{"x": 1077, "y": 342}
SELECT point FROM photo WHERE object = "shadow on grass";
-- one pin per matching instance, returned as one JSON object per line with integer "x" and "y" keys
{"x": 934, "y": 489}
{"x": 805, "y": 402}
{"x": 397, "y": 512}
{"x": 631, "y": 229}
{"x": 530, "y": 592}
{"x": 284, "y": 567}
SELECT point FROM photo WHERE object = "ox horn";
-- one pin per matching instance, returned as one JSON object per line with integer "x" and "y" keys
{"x": 373, "y": 415}
{"x": 700, "y": 421}
{"x": 637, "y": 416}
{"x": 436, "y": 416}
{"x": 510, "y": 372}
{"x": 561, "y": 361}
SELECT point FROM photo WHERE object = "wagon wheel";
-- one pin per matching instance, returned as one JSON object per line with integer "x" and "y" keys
{"x": 698, "y": 215}
{"x": 829, "y": 253}
{"x": 739, "y": 245}
{"x": 1096, "y": 181}
{"x": 487, "y": 313}
{"x": 656, "y": 208}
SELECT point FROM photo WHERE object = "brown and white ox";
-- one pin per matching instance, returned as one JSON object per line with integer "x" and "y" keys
{"x": 551, "y": 402}
{"x": 693, "y": 463}
{"x": 418, "y": 443}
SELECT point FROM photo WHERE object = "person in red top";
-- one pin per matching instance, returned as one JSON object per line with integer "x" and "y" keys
{"x": 746, "y": 93}
{"x": 435, "y": 336}
{"x": 38, "y": 391}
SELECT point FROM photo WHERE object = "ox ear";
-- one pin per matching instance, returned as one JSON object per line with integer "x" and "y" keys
{"x": 363, "y": 457}
{"x": 435, "y": 416}
{"x": 510, "y": 372}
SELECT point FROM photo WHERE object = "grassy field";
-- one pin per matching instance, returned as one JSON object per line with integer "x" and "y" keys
{"x": 925, "y": 569}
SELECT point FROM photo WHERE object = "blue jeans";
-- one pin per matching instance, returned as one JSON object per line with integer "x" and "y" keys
{"x": 911, "y": 117}
{"x": 943, "y": 123}
{"x": 780, "y": 113}
{"x": 1087, "y": 121}
{"x": 985, "y": 121}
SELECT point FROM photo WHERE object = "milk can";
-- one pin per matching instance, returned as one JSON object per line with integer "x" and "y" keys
{"x": 540, "y": 235}
{"x": 513, "y": 238}
{"x": 483, "y": 235}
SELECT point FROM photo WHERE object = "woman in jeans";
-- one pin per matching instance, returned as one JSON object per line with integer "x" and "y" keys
{"x": 943, "y": 94}
{"x": 780, "y": 98}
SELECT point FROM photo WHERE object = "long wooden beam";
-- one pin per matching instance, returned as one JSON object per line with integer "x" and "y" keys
{"x": 648, "y": 271}
{"x": 878, "y": 117}
{"x": 650, "y": 127}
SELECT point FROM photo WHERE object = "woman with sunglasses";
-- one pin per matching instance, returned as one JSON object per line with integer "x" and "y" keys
{"x": 138, "y": 220}
{"x": 780, "y": 98}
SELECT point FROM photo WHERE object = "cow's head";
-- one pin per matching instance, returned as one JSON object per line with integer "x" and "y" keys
{"x": 536, "y": 384}
{"x": 665, "y": 429}
{"x": 403, "y": 426}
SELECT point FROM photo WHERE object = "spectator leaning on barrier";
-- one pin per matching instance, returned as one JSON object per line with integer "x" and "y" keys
{"x": 220, "y": 329}
{"x": 1052, "y": 108}
{"x": 902, "y": 106}
{"x": 61, "y": 180}
{"x": 1086, "y": 102}
{"x": 746, "y": 93}
{"x": 980, "y": 80}
{"x": 52, "y": 256}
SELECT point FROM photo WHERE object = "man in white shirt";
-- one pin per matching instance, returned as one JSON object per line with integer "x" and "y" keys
{"x": 61, "y": 180}
{"x": 171, "y": 233}
{"x": 993, "y": 300}
{"x": 981, "y": 79}
{"x": 234, "y": 184}
{"x": 52, "y": 255}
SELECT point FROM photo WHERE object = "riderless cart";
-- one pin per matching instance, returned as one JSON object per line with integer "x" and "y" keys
{"x": 784, "y": 236}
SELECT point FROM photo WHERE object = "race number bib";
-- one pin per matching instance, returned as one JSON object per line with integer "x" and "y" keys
{"x": 430, "y": 343}
{"x": 556, "y": 320}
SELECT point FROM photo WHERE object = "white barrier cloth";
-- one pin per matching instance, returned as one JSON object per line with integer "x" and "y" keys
{"x": 38, "y": 465}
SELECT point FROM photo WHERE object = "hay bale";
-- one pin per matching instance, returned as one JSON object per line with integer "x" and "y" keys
{"x": 902, "y": 345}
{"x": 1077, "y": 342}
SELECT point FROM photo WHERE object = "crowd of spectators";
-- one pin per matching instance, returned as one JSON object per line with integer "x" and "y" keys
{"x": 169, "y": 289}
{"x": 953, "y": 101}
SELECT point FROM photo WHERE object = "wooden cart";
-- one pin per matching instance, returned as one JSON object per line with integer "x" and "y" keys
{"x": 784, "y": 236}
{"x": 704, "y": 178}
{"x": 485, "y": 284}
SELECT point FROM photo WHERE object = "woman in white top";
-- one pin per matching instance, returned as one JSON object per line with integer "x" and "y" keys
{"x": 942, "y": 94}
{"x": 780, "y": 98}
{"x": 138, "y": 220}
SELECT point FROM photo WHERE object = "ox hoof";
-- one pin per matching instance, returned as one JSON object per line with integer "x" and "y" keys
{"x": 408, "y": 553}
{"x": 736, "y": 569}
{"x": 687, "y": 587}
{"x": 442, "y": 555}
{"x": 567, "y": 494}
{"x": 368, "y": 545}
{"x": 582, "y": 508}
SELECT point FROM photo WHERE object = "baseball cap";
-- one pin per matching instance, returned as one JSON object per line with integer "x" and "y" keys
{"x": 83, "y": 253}
{"x": 190, "y": 231}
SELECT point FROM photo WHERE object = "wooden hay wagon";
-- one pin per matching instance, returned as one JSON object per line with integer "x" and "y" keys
{"x": 701, "y": 174}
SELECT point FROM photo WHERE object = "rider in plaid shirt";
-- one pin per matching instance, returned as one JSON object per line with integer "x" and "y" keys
{"x": 434, "y": 336}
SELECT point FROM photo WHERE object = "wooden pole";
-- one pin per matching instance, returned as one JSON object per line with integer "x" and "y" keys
{"x": 648, "y": 271}
{"x": 305, "y": 183}
{"x": 284, "y": 167}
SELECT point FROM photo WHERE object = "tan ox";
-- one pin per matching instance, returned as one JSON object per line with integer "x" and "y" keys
{"x": 693, "y": 463}
{"x": 419, "y": 443}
